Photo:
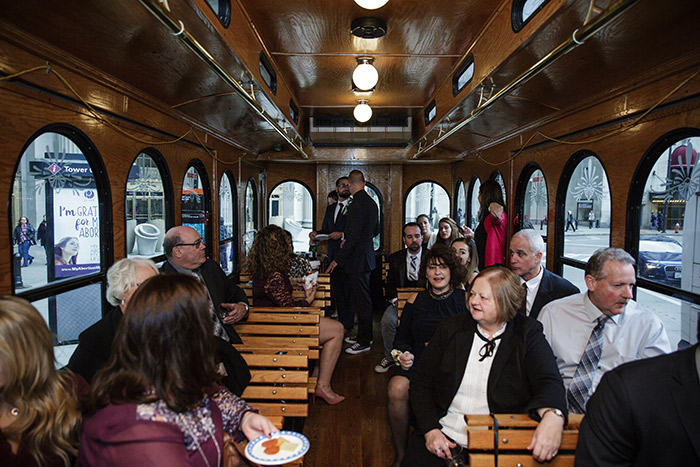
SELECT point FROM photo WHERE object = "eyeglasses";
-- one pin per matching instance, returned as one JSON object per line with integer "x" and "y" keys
{"x": 195, "y": 244}
{"x": 344, "y": 185}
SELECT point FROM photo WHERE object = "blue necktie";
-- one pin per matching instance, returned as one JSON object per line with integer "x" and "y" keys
{"x": 577, "y": 393}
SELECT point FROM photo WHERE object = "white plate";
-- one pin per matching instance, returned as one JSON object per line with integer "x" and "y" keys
{"x": 255, "y": 451}
{"x": 322, "y": 237}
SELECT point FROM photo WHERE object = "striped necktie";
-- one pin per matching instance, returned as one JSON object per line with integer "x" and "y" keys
{"x": 413, "y": 270}
{"x": 580, "y": 386}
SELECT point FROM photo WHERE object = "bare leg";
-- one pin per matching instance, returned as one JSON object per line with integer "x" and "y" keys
{"x": 399, "y": 416}
{"x": 331, "y": 337}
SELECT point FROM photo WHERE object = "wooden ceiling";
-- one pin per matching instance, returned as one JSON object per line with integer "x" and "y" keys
{"x": 313, "y": 52}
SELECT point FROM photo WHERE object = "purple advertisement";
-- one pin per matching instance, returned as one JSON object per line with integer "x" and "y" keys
{"x": 76, "y": 232}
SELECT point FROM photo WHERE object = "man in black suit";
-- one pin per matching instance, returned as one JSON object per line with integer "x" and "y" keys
{"x": 645, "y": 413}
{"x": 403, "y": 272}
{"x": 526, "y": 250}
{"x": 333, "y": 226}
{"x": 356, "y": 257}
{"x": 186, "y": 255}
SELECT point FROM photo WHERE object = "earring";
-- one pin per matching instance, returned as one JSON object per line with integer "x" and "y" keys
{"x": 14, "y": 411}
{"x": 122, "y": 302}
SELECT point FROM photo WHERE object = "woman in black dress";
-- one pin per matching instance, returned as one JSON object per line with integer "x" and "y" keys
{"x": 423, "y": 312}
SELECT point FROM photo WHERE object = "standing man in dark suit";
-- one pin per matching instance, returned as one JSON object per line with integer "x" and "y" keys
{"x": 403, "y": 272}
{"x": 356, "y": 257}
{"x": 526, "y": 250}
{"x": 645, "y": 413}
{"x": 333, "y": 226}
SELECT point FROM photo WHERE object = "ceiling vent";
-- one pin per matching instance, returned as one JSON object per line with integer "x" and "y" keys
{"x": 368, "y": 27}
{"x": 341, "y": 131}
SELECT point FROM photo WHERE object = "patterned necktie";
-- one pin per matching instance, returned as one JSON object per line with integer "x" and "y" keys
{"x": 338, "y": 210}
{"x": 577, "y": 393}
{"x": 413, "y": 270}
{"x": 219, "y": 330}
{"x": 523, "y": 307}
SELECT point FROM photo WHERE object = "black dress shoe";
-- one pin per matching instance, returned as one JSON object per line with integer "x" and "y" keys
{"x": 31, "y": 260}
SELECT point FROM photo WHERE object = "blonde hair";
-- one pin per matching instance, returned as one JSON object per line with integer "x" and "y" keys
{"x": 48, "y": 423}
{"x": 122, "y": 276}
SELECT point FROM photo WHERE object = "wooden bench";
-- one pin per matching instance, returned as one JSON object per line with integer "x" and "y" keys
{"x": 403, "y": 294}
{"x": 514, "y": 435}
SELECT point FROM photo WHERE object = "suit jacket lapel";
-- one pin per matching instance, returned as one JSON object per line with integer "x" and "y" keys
{"x": 542, "y": 293}
{"x": 685, "y": 391}
{"x": 402, "y": 269}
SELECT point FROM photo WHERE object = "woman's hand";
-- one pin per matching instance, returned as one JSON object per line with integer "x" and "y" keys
{"x": 406, "y": 360}
{"x": 310, "y": 294}
{"x": 547, "y": 438}
{"x": 254, "y": 425}
{"x": 496, "y": 210}
{"x": 438, "y": 444}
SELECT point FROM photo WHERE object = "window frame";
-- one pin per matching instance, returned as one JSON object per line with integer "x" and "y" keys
{"x": 516, "y": 18}
{"x": 519, "y": 209}
{"x": 265, "y": 66}
{"x": 463, "y": 67}
{"x": 380, "y": 196}
{"x": 234, "y": 234}
{"x": 470, "y": 199}
{"x": 206, "y": 192}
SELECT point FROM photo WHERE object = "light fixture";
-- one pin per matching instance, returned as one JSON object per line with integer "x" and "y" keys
{"x": 371, "y": 4}
{"x": 365, "y": 75}
{"x": 362, "y": 112}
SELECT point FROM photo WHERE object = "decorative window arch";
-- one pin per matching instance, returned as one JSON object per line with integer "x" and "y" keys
{"x": 250, "y": 227}
{"x": 196, "y": 201}
{"x": 473, "y": 202}
{"x": 429, "y": 198}
{"x": 291, "y": 206}
{"x": 377, "y": 197}
{"x": 228, "y": 223}
{"x": 531, "y": 199}
{"x": 460, "y": 203}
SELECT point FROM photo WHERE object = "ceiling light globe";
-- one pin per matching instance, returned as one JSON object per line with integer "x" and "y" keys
{"x": 362, "y": 112}
{"x": 371, "y": 4}
{"x": 365, "y": 76}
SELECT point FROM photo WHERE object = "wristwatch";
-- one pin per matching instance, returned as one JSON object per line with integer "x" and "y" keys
{"x": 555, "y": 411}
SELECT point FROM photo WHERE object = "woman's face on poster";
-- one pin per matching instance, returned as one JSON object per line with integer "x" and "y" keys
{"x": 71, "y": 247}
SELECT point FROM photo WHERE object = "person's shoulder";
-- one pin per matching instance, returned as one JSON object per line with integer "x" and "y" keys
{"x": 398, "y": 255}
{"x": 641, "y": 369}
{"x": 559, "y": 281}
{"x": 562, "y": 304}
{"x": 97, "y": 332}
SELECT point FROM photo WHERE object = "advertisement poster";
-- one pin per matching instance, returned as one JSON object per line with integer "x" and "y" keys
{"x": 76, "y": 222}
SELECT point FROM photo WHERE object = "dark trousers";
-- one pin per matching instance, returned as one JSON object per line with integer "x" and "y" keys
{"x": 341, "y": 299}
{"x": 361, "y": 302}
{"x": 418, "y": 456}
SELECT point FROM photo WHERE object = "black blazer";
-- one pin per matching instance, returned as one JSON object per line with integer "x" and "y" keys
{"x": 330, "y": 225}
{"x": 524, "y": 376}
{"x": 397, "y": 275}
{"x": 221, "y": 290}
{"x": 95, "y": 345}
{"x": 644, "y": 413}
{"x": 357, "y": 254}
{"x": 552, "y": 287}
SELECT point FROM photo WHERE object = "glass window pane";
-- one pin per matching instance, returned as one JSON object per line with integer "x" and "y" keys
{"x": 475, "y": 205}
{"x": 227, "y": 256}
{"x": 55, "y": 214}
{"x": 460, "y": 216}
{"x": 535, "y": 203}
{"x": 430, "y": 199}
{"x": 251, "y": 216}
{"x": 499, "y": 178}
{"x": 530, "y": 7}
{"x": 226, "y": 209}
{"x": 291, "y": 208}
{"x": 576, "y": 276}
{"x": 193, "y": 207}
{"x": 377, "y": 240}
{"x": 587, "y": 210}
{"x": 145, "y": 208}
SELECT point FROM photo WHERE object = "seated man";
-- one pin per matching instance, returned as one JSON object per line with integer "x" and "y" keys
{"x": 403, "y": 272}
{"x": 526, "y": 249}
{"x": 598, "y": 330}
{"x": 645, "y": 413}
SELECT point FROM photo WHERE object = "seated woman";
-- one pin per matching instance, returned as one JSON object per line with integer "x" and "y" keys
{"x": 95, "y": 343}
{"x": 448, "y": 230}
{"x": 421, "y": 316}
{"x": 39, "y": 417}
{"x": 465, "y": 249}
{"x": 155, "y": 402}
{"x": 268, "y": 263}
{"x": 490, "y": 360}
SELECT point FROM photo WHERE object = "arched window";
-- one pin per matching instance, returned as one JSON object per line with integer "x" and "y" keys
{"x": 473, "y": 203}
{"x": 531, "y": 196}
{"x": 583, "y": 214}
{"x": 251, "y": 215}
{"x": 427, "y": 198}
{"x": 460, "y": 207}
{"x": 60, "y": 213}
{"x": 496, "y": 175}
{"x": 148, "y": 207}
{"x": 228, "y": 252}
{"x": 196, "y": 201}
{"x": 376, "y": 196}
{"x": 291, "y": 207}
{"x": 662, "y": 227}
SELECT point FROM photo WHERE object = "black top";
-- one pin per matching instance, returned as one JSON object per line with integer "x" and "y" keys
{"x": 397, "y": 276}
{"x": 95, "y": 345}
{"x": 480, "y": 241}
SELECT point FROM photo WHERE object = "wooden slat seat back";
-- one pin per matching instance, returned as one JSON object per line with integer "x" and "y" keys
{"x": 403, "y": 294}
{"x": 514, "y": 435}
{"x": 276, "y": 329}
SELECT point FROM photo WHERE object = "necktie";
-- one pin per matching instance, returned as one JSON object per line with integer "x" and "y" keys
{"x": 338, "y": 210}
{"x": 413, "y": 269}
{"x": 577, "y": 393}
{"x": 523, "y": 307}
{"x": 219, "y": 330}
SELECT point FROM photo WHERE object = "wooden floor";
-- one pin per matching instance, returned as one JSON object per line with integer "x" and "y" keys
{"x": 354, "y": 433}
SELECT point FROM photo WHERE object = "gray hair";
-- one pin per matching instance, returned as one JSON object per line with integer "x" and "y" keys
{"x": 122, "y": 276}
{"x": 596, "y": 263}
{"x": 533, "y": 239}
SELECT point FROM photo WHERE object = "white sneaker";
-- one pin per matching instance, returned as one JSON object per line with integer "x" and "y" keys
{"x": 358, "y": 348}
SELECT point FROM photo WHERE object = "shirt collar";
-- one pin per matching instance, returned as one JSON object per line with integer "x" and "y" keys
{"x": 592, "y": 311}
{"x": 534, "y": 283}
{"x": 181, "y": 270}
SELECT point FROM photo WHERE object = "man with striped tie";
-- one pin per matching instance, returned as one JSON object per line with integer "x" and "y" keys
{"x": 598, "y": 330}
{"x": 403, "y": 272}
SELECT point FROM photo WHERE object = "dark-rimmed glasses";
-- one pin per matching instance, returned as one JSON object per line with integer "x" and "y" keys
{"x": 194, "y": 244}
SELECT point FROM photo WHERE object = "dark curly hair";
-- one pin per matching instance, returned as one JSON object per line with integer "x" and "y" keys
{"x": 442, "y": 254}
{"x": 270, "y": 253}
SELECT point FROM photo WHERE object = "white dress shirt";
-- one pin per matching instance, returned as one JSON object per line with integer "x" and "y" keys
{"x": 533, "y": 285}
{"x": 568, "y": 322}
